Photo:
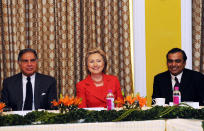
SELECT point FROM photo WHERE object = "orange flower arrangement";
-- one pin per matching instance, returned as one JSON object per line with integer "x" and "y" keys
{"x": 142, "y": 100}
{"x": 132, "y": 102}
{"x": 2, "y": 105}
{"x": 66, "y": 104}
{"x": 119, "y": 102}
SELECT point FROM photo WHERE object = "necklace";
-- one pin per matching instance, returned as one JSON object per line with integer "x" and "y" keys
{"x": 98, "y": 82}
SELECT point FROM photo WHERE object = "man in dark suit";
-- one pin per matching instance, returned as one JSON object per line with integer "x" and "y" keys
{"x": 191, "y": 83}
{"x": 28, "y": 90}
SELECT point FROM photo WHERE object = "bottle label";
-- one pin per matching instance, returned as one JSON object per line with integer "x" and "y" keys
{"x": 110, "y": 103}
{"x": 176, "y": 100}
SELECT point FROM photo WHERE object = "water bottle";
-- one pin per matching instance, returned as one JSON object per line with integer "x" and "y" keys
{"x": 110, "y": 100}
{"x": 176, "y": 96}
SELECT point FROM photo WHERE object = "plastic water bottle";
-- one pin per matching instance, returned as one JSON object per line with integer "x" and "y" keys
{"x": 176, "y": 96}
{"x": 110, "y": 100}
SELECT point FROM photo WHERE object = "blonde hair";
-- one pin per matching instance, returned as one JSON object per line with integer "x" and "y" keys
{"x": 93, "y": 51}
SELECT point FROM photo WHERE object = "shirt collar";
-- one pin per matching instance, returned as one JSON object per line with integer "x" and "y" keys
{"x": 178, "y": 76}
{"x": 25, "y": 77}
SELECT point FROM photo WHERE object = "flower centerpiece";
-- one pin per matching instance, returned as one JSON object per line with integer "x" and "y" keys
{"x": 66, "y": 104}
{"x": 132, "y": 102}
{"x": 2, "y": 105}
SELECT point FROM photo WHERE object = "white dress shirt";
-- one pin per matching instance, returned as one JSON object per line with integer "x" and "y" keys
{"x": 173, "y": 79}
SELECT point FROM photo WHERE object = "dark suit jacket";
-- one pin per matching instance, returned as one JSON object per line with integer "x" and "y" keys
{"x": 44, "y": 92}
{"x": 93, "y": 96}
{"x": 191, "y": 86}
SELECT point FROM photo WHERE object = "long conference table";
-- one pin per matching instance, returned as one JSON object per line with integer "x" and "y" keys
{"x": 146, "y": 125}
{"x": 149, "y": 125}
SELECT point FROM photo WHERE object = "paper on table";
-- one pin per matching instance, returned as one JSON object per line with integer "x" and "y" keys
{"x": 95, "y": 108}
{"x": 192, "y": 104}
{"x": 22, "y": 113}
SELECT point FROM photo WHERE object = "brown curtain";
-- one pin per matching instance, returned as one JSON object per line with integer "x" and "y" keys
{"x": 62, "y": 31}
{"x": 198, "y": 35}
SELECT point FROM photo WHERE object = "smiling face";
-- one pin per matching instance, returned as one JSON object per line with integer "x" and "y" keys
{"x": 175, "y": 63}
{"x": 95, "y": 63}
{"x": 28, "y": 63}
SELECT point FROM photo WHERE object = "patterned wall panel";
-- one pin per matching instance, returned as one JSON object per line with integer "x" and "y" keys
{"x": 198, "y": 35}
{"x": 62, "y": 32}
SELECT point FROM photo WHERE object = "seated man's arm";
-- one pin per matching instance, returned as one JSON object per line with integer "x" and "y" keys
{"x": 4, "y": 94}
{"x": 156, "y": 92}
{"x": 52, "y": 93}
{"x": 200, "y": 90}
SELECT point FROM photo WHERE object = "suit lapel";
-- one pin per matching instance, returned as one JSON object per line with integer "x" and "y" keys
{"x": 36, "y": 91}
{"x": 90, "y": 84}
{"x": 105, "y": 86}
{"x": 169, "y": 82}
{"x": 19, "y": 84}
{"x": 106, "y": 80}
{"x": 184, "y": 80}
{"x": 169, "y": 87}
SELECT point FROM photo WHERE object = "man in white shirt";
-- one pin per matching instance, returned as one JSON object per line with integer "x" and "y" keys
{"x": 191, "y": 83}
{"x": 28, "y": 90}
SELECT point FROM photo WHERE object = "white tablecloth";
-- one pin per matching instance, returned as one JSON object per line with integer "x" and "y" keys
{"x": 184, "y": 125}
{"x": 154, "y": 125}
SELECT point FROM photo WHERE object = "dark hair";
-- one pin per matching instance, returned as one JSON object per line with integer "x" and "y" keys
{"x": 175, "y": 50}
{"x": 25, "y": 51}
{"x": 93, "y": 51}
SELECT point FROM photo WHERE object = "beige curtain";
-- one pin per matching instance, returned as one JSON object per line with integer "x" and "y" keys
{"x": 62, "y": 31}
{"x": 198, "y": 35}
